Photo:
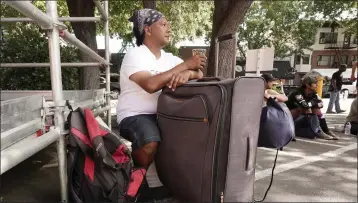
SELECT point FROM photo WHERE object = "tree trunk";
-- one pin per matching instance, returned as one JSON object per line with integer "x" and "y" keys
{"x": 149, "y": 4}
{"x": 86, "y": 33}
{"x": 228, "y": 15}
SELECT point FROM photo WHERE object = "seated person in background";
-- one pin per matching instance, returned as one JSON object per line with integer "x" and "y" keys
{"x": 353, "y": 117}
{"x": 145, "y": 70}
{"x": 305, "y": 100}
{"x": 269, "y": 92}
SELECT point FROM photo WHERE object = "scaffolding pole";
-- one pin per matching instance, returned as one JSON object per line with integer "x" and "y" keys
{"x": 44, "y": 65}
{"x": 57, "y": 94}
{"x": 74, "y": 41}
{"x": 102, "y": 11}
{"x": 31, "y": 11}
{"x": 61, "y": 19}
{"x": 108, "y": 68}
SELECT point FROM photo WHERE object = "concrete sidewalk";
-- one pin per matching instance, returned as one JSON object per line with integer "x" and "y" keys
{"x": 306, "y": 171}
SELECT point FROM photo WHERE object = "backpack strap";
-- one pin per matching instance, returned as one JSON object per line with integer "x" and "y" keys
{"x": 69, "y": 105}
{"x": 95, "y": 134}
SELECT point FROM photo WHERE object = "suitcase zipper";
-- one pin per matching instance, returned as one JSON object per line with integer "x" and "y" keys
{"x": 208, "y": 110}
{"x": 202, "y": 120}
{"x": 218, "y": 138}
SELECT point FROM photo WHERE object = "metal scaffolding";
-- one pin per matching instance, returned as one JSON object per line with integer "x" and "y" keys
{"x": 55, "y": 29}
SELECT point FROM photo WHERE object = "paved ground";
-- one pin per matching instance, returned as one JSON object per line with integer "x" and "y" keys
{"x": 306, "y": 171}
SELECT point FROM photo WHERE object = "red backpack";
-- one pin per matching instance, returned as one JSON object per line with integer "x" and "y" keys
{"x": 100, "y": 168}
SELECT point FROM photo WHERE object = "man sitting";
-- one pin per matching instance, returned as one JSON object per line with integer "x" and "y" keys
{"x": 353, "y": 117}
{"x": 305, "y": 100}
{"x": 145, "y": 70}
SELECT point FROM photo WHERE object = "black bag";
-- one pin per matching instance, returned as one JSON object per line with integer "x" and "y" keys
{"x": 99, "y": 165}
{"x": 277, "y": 127}
{"x": 307, "y": 126}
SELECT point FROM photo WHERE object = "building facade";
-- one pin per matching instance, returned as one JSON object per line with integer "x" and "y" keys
{"x": 332, "y": 47}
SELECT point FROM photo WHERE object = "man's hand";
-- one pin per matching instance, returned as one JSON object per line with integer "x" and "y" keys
{"x": 179, "y": 79}
{"x": 353, "y": 78}
{"x": 267, "y": 96}
{"x": 354, "y": 69}
{"x": 197, "y": 62}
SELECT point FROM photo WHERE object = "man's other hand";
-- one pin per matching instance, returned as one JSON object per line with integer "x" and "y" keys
{"x": 179, "y": 79}
{"x": 267, "y": 96}
{"x": 196, "y": 62}
{"x": 353, "y": 78}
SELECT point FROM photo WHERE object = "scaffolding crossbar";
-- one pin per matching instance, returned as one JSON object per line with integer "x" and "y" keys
{"x": 73, "y": 40}
{"x": 101, "y": 9}
{"x": 43, "y": 65}
{"x": 28, "y": 9}
{"x": 61, "y": 19}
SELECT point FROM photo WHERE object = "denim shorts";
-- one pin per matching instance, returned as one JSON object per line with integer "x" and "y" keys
{"x": 140, "y": 130}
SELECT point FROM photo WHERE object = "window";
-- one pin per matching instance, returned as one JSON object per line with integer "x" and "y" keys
{"x": 325, "y": 60}
{"x": 347, "y": 38}
{"x": 306, "y": 59}
{"x": 298, "y": 59}
{"x": 328, "y": 37}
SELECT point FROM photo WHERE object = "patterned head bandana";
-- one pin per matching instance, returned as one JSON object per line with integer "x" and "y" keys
{"x": 144, "y": 17}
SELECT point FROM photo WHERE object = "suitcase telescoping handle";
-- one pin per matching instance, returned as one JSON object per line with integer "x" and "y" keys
{"x": 217, "y": 42}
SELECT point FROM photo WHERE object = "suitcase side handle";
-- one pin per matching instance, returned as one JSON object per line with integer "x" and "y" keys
{"x": 249, "y": 164}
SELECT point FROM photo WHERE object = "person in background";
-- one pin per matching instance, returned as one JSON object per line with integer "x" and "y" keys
{"x": 353, "y": 77}
{"x": 305, "y": 100}
{"x": 334, "y": 88}
{"x": 353, "y": 117}
{"x": 269, "y": 92}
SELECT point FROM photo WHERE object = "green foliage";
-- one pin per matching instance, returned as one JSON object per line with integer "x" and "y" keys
{"x": 28, "y": 44}
{"x": 278, "y": 24}
{"x": 344, "y": 11}
{"x": 290, "y": 26}
{"x": 188, "y": 19}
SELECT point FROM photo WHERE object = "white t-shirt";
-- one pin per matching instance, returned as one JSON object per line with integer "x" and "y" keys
{"x": 133, "y": 99}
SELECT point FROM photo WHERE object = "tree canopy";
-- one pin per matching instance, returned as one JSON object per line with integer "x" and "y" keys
{"x": 188, "y": 19}
{"x": 290, "y": 26}
{"x": 28, "y": 44}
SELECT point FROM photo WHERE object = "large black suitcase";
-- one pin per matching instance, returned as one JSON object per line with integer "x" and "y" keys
{"x": 209, "y": 130}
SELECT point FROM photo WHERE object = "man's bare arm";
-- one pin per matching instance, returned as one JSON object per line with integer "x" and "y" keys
{"x": 279, "y": 97}
{"x": 152, "y": 84}
{"x": 196, "y": 74}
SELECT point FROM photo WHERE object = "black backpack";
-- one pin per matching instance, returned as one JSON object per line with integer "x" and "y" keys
{"x": 307, "y": 126}
{"x": 100, "y": 168}
{"x": 277, "y": 127}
